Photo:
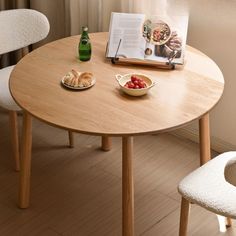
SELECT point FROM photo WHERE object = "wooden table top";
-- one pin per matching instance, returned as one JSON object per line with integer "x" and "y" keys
{"x": 180, "y": 96}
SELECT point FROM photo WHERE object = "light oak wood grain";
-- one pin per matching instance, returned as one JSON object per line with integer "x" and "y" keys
{"x": 127, "y": 187}
{"x": 15, "y": 138}
{"x": 204, "y": 139}
{"x": 106, "y": 143}
{"x": 25, "y": 161}
{"x": 184, "y": 215}
{"x": 228, "y": 222}
{"x": 71, "y": 139}
{"x": 180, "y": 96}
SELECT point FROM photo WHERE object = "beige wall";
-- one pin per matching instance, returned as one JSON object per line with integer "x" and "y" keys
{"x": 212, "y": 29}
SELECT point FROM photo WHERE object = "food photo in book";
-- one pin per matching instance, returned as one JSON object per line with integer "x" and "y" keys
{"x": 162, "y": 40}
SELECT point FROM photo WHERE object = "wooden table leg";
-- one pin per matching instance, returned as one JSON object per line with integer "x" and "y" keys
{"x": 204, "y": 139}
{"x": 24, "y": 191}
{"x": 71, "y": 139}
{"x": 106, "y": 143}
{"x": 127, "y": 187}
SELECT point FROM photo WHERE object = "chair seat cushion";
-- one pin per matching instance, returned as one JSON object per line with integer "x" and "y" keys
{"x": 208, "y": 188}
{"x": 6, "y": 100}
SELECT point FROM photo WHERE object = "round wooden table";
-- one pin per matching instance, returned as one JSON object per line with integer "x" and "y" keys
{"x": 180, "y": 96}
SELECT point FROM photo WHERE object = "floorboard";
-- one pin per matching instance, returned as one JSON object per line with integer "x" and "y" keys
{"x": 77, "y": 191}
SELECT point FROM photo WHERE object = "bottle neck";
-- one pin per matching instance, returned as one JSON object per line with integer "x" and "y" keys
{"x": 85, "y": 33}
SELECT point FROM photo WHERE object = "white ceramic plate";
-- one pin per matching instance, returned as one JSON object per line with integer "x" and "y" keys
{"x": 77, "y": 88}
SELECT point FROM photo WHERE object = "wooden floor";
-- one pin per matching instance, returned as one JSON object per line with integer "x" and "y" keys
{"x": 78, "y": 191}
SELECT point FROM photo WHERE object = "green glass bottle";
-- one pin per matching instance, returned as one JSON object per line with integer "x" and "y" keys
{"x": 85, "y": 48}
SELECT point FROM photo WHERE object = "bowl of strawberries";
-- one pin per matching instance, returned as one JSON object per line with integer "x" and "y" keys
{"x": 135, "y": 84}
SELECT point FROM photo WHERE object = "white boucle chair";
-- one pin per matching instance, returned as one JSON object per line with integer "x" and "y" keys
{"x": 210, "y": 186}
{"x": 18, "y": 29}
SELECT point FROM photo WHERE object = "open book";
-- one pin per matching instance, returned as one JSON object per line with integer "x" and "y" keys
{"x": 160, "y": 38}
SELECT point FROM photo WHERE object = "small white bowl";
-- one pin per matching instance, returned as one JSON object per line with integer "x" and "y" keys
{"x": 123, "y": 79}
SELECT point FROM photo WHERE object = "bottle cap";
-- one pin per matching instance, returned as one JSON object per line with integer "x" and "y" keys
{"x": 85, "y": 28}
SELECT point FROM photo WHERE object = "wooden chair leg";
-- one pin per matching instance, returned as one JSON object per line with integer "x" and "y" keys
{"x": 71, "y": 139}
{"x": 228, "y": 222}
{"x": 24, "y": 191}
{"x": 184, "y": 214}
{"x": 15, "y": 138}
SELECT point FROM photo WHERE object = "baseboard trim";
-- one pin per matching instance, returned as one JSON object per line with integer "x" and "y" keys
{"x": 192, "y": 134}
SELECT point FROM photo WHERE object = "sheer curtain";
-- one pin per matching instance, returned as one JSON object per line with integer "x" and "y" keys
{"x": 96, "y": 13}
{"x": 67, "y": 17}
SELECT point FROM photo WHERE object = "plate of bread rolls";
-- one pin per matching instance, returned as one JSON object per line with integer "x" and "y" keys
{"x": 78, "y": 80}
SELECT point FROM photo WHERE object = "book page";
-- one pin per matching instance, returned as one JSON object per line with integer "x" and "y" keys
{"x": 125, "y": 37}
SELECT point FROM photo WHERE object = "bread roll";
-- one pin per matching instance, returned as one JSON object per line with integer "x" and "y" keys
{"x": 77, "y": 79}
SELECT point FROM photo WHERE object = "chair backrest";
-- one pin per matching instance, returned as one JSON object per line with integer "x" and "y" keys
{"x": 230, "y": 171}
{"x": 20, "y": 28}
